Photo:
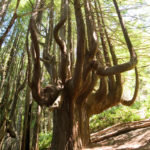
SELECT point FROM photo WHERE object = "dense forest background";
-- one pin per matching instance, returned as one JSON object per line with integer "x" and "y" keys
{"x": 25, "y": 122}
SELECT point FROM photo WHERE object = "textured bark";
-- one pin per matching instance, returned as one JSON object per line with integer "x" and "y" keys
{"x": 78, "y": 72}
{"x": 25, "y": 145}
{"x": 71, "y": 126}
{"x": 62, "y": 135}
{"x": 36, "y": 129}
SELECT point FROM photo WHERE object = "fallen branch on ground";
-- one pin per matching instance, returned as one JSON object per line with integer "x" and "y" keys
{"x": 118, "y": 129}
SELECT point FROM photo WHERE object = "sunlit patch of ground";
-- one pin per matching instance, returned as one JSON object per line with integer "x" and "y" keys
{"x": 134, "y": 140}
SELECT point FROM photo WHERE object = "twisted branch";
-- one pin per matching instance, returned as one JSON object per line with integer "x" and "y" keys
{"x": 58, "y": 39}
{"x": 62, "y": 45}
{"x": 49, "y": 94}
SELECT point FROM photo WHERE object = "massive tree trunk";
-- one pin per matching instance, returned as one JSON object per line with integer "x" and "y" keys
{"x": 71, "y": 126}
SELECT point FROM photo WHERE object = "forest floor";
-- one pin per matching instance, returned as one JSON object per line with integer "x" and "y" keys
{"x": 128, "y": 136}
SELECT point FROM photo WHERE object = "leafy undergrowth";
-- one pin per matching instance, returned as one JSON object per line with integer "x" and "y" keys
{"x": 140, "y": 110}
{"x": 45, "y": 140}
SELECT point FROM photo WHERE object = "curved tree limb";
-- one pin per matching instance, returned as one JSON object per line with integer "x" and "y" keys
{"x": 116, "y": 69}
{"x": 101, "y": 103}
{"x": 112, "y": 98}
{"x": 49, "y": 94}
{"x": 58, "y": 39}
{"x": 35, "y": 85}
{"x": 122, "y": 67}
{"x": 62, "y": 45}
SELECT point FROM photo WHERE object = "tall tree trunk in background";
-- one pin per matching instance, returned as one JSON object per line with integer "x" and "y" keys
{"x": 25, "y": 145}
{"x": 36, "y": 129}
{"x": 14, "y": 17}
{"x": 19, "y": 88}
{"x": 4, "y": 7}
{"x": 19, "y": 129}
{"x": 4, "y": 105}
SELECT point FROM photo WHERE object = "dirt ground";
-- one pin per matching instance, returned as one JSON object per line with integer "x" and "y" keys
{"x": 138, "y": 139}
